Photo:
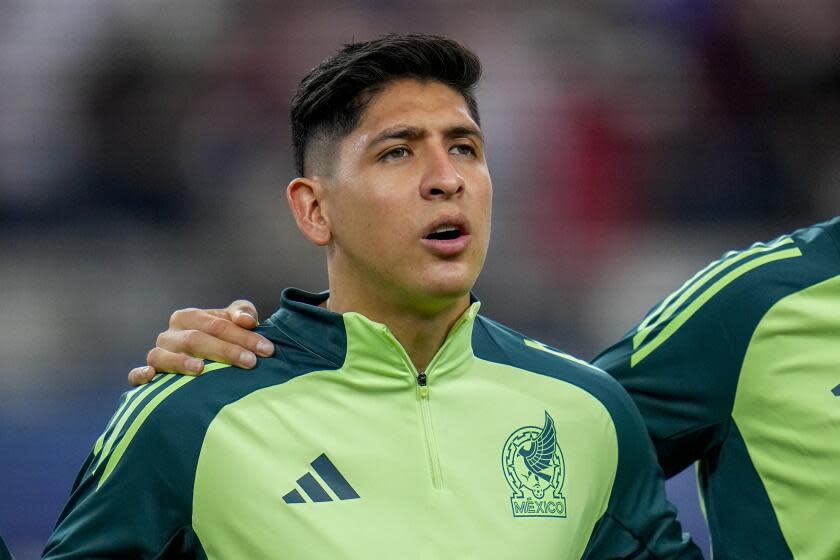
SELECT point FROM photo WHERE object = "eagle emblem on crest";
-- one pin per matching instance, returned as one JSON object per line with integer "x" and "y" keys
{"x": 532, "y": 463}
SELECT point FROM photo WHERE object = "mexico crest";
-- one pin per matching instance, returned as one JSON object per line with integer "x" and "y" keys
{"x": 533, "y": 466}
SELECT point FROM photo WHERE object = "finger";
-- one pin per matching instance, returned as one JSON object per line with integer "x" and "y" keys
{"x": 209, "y": 346}
{"x": 163, "y": 360}
{"x": 141, "y": 375}
{"x": 215, "y": 324}
{"x": 188, "y": 318}
{"x": 243, "y": 313}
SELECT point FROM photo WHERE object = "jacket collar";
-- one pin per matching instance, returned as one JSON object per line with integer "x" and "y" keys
{"x": 353, "y": 340}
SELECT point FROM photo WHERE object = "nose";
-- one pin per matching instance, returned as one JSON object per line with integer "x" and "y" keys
{"x": 441, "y": 179}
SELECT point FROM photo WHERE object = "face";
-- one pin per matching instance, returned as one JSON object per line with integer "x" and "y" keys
{"x": 409, "y": 200}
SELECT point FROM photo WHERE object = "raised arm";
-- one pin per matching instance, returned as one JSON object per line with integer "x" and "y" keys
{"x": 221, "y": 335}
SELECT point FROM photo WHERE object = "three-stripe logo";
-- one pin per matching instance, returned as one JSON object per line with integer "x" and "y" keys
{"x": 676, "y": 309}
{"x": 331, "y": 477}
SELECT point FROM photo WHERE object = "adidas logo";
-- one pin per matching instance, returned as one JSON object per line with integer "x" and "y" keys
{"x": 330, "y": 476}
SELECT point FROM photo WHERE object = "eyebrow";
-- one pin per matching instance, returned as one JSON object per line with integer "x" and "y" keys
{"x": 405, "y": 132}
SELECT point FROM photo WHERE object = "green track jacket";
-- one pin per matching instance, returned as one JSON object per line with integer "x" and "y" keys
{"x": 739, "y": 370}
{"x": 337, "y": 447}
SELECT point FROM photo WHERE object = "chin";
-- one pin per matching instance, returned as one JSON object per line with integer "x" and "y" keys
{"x": 447, "y": 292}
{"x": 448, "y": 286}
{"x": 441, "y": 284}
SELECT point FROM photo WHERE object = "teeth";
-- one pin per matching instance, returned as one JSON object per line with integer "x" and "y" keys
{"x": 443, "y": 229}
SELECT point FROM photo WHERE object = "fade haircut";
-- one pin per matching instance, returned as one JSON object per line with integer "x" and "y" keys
{"x": 331, "y": 99}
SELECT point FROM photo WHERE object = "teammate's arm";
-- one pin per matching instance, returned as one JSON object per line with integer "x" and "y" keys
{"x": 221, "y": 335}
{"x": 683, "y": 380}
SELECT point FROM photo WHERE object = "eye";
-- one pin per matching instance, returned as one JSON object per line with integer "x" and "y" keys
{"x": 396, "y": 153}
{"x": 463, "y": 149}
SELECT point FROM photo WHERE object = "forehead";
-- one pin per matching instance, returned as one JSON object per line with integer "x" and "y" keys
{"x": 411, "y": 102}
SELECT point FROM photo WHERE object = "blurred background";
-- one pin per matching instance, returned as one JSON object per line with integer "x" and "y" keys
{"x": 144, "y": 150}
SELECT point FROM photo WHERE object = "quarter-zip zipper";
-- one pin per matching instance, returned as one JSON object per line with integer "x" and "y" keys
{"x": 422, "y": 392}
{"x": 429, "y": 432}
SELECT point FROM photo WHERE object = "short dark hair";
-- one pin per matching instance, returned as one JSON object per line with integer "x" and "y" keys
{"x": 330, "y": 100}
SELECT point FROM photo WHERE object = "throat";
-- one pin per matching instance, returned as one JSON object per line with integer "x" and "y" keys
{"x": 421, "y": 335}
{"x": 420, "y": 323}
{"x": 421, "y": 347}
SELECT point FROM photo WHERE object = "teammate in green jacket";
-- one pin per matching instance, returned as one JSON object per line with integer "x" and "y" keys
{"x": 737, "y": 371}
{"x": 392, "y": 421}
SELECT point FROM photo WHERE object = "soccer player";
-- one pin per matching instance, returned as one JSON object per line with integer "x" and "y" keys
{"x": 738, "y": 370}
{"x": 393, "y": 420}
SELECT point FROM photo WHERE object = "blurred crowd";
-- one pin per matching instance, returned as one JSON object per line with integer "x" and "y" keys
{"x": 144, "y": 149}
{"x": 621, "y": 112}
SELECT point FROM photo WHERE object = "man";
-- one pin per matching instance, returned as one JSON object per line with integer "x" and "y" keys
{"x": 393, "y": 420}
{"x": 737, "y": 370}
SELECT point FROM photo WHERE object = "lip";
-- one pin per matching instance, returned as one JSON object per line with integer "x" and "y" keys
{"x": 448, "y": 247}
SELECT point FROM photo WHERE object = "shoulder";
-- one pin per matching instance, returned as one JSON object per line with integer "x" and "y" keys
{"x": 829, "y": 228}
{"x": 790, "y": 262}
{"x": 731, "y": 294}
{"x": 184, "y": 406}
{"x": 165, "y": 419}
{"x": 171, "y": 415}
{"x": 820, "y": 244}
{"x": 497, "y": 343}
{"x": 599, "y": 404}
{"x": 765, "y": 271}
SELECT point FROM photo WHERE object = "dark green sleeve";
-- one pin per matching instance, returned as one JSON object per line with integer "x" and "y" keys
{"x": 141, "y": 508}
{"x": 681, "y": 364}
{"x": 4, "y": 552}
{"x": 639, "y": 522}
{"x": 684, "y": 389}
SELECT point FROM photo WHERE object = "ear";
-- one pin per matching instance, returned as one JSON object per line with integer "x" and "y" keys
{"x": 306, "y": 198}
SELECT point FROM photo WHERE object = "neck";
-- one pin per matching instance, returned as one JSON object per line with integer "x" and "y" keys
{"x": 421, "y": 330}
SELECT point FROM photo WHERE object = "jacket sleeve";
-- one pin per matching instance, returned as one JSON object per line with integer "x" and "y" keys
{"x": 131, "y": 498}
{"x": 4, "y": 552}
{"x": 682, "y": 363}
{"x": 639, "y": 522}
{"x": 682, "y": 378}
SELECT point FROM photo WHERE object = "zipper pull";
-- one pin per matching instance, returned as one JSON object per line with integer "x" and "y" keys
{"x": 422, "y": 382}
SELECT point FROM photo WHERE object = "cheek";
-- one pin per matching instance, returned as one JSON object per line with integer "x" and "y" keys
{"x": 388, "y": 204}
{"x": 348, "y": 220}
{"x": 374, "y": 221}
{"x": 485, "y": 203}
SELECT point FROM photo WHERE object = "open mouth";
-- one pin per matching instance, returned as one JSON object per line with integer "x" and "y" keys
{"x": 445, "y": 233}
